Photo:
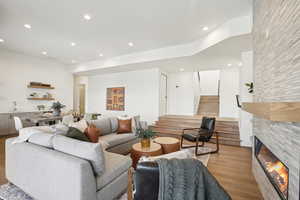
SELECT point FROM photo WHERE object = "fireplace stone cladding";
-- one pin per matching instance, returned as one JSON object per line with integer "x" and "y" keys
{"x": 276, "y": 47}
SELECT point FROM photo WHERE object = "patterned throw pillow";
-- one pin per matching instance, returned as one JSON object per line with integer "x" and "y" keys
{"x": 81, "y": 125}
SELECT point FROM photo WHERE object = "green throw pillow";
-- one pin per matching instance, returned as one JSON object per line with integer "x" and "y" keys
{"x": 77, "y": 134}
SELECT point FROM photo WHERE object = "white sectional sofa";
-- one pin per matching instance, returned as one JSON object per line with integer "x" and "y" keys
{"x": 47, "y": 174}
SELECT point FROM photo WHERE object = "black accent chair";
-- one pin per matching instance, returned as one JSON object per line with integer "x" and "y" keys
{"x": 146, "y": 181}
{"x": 202, "y": 134}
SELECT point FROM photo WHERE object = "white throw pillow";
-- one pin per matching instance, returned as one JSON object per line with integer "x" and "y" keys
{"x": 26, "y": 133}
{"x": 43, "y": 139}
{"x": 92, "y": 152}
{"x": 81, "y": 125}
{"x": 182, "y": 154}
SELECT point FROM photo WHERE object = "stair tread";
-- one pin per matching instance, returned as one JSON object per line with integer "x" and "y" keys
{"x": 173, "y": 125}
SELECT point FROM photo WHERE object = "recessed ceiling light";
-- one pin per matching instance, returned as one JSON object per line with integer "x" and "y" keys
{"x": 44, "y": 53}
{"x": 229, "y": 65}
{"x": 181, "y": 69}
{"x": 205, "y": 28}
{"x": 87, "y": 17}
{"x": 100, "y": 54}
{"x": 28, "y": 26}
{"x": 240, "y": 64}
{"x": 130, "y": 44}
{"x": 1, "y": 40}
{"x": 73, "y": 44}
{"x": 74, "y": 61}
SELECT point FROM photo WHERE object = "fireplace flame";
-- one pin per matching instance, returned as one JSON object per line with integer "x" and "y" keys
{"x": 279, "y": 173}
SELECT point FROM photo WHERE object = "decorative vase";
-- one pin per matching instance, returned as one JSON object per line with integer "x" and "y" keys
{"x": 145, "y": 142}
{"x": 56, "y": 112}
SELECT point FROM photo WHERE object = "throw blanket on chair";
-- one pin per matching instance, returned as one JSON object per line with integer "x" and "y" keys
{"x": 187, "y": 179}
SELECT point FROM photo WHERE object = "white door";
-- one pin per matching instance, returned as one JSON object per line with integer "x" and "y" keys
{"x": 163, "y": 94}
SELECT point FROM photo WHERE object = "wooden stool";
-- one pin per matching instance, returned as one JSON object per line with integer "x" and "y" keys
{"x": 137, "y": 152}
{"x": 168, "y": 144}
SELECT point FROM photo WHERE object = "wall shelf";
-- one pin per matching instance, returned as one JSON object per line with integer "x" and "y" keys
{"x": 41, "y": 99}
{"x": 40, "y": 87}
{"x": 274, "y": 111}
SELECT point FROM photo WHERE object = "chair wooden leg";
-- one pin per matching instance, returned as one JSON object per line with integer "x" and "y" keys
{"x": 129, "y": 188}
{"x": 181, "y": 143}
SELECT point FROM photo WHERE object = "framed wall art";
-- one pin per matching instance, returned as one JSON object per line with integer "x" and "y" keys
{"x": 115, "y": 98}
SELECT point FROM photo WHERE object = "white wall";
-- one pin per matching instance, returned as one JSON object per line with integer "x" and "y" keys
{"x": 229, "y": 87}
{"x": 141, "y": 93}
{"x": 209, "y": 82}
{"x": 17, "y": 70}
{"x": 181, "y": 93}
{"x": 246, "y": 76}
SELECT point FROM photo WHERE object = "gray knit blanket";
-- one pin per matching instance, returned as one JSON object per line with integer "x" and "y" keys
{"x": 187, "y": 179}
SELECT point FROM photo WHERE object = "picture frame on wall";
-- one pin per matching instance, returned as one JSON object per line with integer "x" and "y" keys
{"x": 115, "y": 99}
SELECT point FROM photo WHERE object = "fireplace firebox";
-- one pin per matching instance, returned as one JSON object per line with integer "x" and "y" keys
{"x": 276, "y": 171}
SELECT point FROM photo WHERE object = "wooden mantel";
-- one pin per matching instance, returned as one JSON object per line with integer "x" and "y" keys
{"x": 274, "y": 111}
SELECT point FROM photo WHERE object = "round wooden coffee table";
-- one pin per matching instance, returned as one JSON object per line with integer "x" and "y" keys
{"x": 137, "y": 152}
{"x": 168, "y": 144}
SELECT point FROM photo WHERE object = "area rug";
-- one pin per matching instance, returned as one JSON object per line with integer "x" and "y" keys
{"x": 11, "y": 192}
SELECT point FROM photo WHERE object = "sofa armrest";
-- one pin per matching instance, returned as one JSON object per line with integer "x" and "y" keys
{"x": 48, "y": 174}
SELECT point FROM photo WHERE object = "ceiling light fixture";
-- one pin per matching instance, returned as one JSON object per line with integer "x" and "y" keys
{"x": 73, "y": 44}
{"x": 73, "y": 61}
{"x": 181, "y": 69}
{"x": 130, "y": 44}
{"x": 205, "y": 28}
{"x": 1, "y": 40}
{"x": 229, "y": 65}
{"x": 28, "y": 26}
{"x": 44, "y": 52}
{"x": 87, "y": 17}
{"x": 100, "y": 54}
{"x": 240, "y": 64}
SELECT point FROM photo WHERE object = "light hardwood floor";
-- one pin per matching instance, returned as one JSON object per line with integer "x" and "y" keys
{"x": 231, "y": 166}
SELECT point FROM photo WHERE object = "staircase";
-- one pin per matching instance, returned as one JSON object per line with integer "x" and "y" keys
{"x": 208, "y": 105}
{"x": 172, "y": 125}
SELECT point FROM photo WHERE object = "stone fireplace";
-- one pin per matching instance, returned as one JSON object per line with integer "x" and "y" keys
{"x": 276, "y": 171}
{"x": 276, "y": 163}
{"x": 276, "y": 47}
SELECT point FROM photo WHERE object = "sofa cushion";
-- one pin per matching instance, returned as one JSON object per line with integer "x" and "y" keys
{"x": 114, "y": 124}
{"x": 124, "y": 126}
{"x": 103, "y": 124}
{"x": 43, "y": 139}
{"x": 26, "y": 133}
{"x": 93, "y": 133}
{"x": 77, "y": 134}
{"x": 116, "y": 139}
{"x": 115, "y": 165}
{"x": 86, "y": 150}
{"x": 81, "y": 125}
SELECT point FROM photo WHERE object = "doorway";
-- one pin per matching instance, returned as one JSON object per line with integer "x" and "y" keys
{"x": 82, "y": 98}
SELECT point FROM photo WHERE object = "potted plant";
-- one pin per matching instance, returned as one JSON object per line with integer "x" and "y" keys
{"x": 145, "y": 135}
{"x": 57, "y": 106}
{"x": 250, "y": 87}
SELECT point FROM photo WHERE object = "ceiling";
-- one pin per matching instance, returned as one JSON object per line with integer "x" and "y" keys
{"x": 215, "y": 57}
{"x": 147, "y": 24}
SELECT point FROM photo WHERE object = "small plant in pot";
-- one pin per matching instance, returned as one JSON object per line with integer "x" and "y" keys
{"x": 145, "y": 135}
{"x": 57, "y": 106}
